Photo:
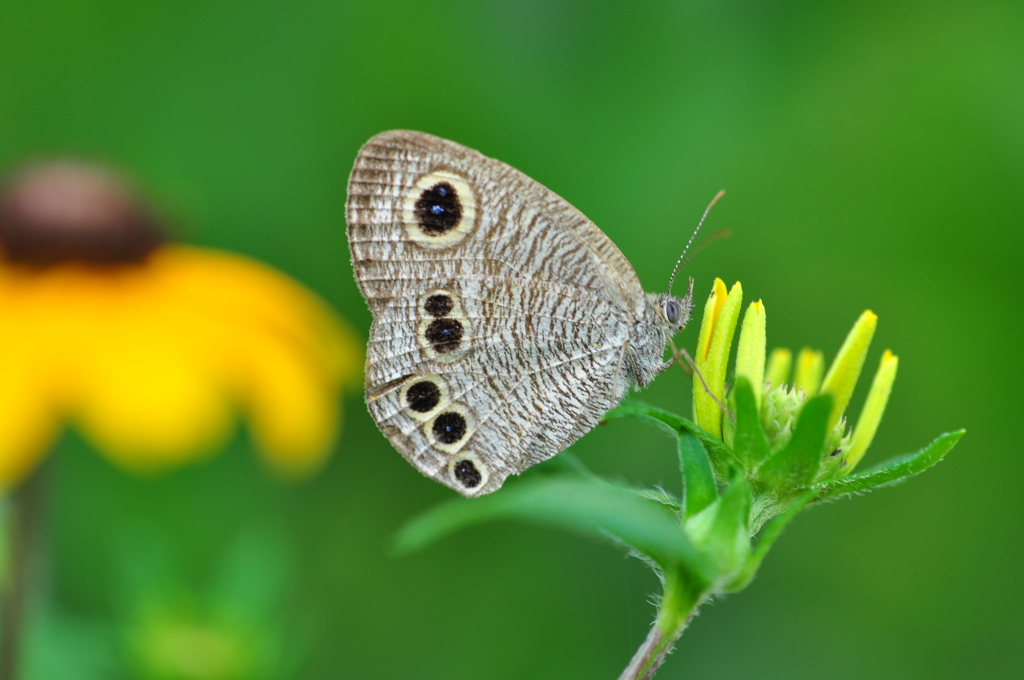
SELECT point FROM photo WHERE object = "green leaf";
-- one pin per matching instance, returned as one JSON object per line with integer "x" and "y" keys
{"x": 893, "y": 471}
{"x": 771, "y": 531}
{"x": 720, "y": 454}
{"x": 663, "y": 497}
{"x": 699, "y": 487}
{"x": 797, "y": 463}
{"x": 586, "y": 505}
{"x": 749, "y": 443}
{"x": 718, "y": 451}
{"x": 637, "y": 409}
{"x": 566, "y": 462}
{"x": 731, "y": 531}
{"x": 722, "y": 530}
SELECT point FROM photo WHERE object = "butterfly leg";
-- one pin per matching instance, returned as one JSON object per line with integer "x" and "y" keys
{"x": 676, "y": 359}
{"x": 676, "y": 354}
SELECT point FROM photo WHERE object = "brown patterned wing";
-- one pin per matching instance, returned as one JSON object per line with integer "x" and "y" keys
{"x": 500, "y": 311}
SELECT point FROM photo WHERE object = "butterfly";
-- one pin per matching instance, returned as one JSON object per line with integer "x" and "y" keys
{"x": 505, "y": 323}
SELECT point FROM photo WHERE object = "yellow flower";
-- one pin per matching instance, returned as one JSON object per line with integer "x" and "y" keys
{"x": 779, "y": 404}
{"x": 149, "y": 348}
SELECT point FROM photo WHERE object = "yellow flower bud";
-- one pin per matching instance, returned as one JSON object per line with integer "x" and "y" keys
{"x": 871, "y": 416}
{"x": 810, "y": 366}
{"x": 750, "y": 354}
{"x": 713, "y": 347}
{"x": 845, "y": 369}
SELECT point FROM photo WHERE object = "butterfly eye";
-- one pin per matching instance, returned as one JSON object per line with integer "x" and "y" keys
{"x": 672, "y": 311}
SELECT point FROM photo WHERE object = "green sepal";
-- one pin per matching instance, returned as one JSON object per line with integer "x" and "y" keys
{"x": 892, "y": 471}
{"x": 583, "y": 504}
{"x": 750, "y": 445}
{"x": 699, "y": 487}
{"x": 722, "y": 530}
{"x": 797, "y": 463}
{"x": 772, "y": 530}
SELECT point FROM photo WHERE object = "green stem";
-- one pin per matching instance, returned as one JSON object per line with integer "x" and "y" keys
{"x": 25, "y": 507}
{"x": 680, "y": 601}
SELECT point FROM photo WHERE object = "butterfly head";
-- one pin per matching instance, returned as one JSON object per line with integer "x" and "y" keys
{"x": 670, "y": 312}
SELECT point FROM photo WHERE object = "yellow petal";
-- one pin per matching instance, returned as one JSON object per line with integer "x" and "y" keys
{"x": 153, "y": 360}
{"x": 712, "y": 310}
{"x": 293, "y": 408}
{"x": 810, "y": 366}
{"x": 28, "y": 421}
{"x": 874, "y": 407}
{"x": 750, "y": 352}
{"x": 716, "y": 359}
{"x": 845, "y": 369}
{"x": 780, "y": 361}
{"x": 223, "y": 283}
{"x": 150, "y": 404}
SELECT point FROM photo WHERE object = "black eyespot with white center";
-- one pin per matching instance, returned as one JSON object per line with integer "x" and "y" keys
{"x": 423, "y": 396}
{"x": 438, "y": 209}
{"x": 444, "y": 334}
{"x": 449, "y": 427}
{"x": 439, "y": 305}
{"x": 673, "y": 311}
{"x": 465, "y": 471}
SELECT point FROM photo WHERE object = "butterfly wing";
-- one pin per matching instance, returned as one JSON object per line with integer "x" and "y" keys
{"x": 500, "y": 311}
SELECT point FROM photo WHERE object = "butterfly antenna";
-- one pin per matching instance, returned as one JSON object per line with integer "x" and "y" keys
{"x": 679, "y": 262}
{"x": 708, "y": 240}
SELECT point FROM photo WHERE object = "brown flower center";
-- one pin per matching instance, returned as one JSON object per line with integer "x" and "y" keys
{"x": 63, "y": 211}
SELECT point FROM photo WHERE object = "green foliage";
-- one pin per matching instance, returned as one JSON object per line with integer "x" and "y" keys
{"x": 750, "y": 445}
{"x": 165, "y": 627}
{"x": 798, "y": 462}
{"x": 705, "y": 527}
{"x": 703, "y": 544}
{"x": 579, "y": 503}
{"x": 699, "y": 488}
{"x": 892, "y": 471}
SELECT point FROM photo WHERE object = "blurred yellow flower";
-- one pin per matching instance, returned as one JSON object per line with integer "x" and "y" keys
{"x": 151, "y": 348}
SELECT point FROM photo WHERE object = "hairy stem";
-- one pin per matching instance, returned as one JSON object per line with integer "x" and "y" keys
{"x": 25, "y": 507}
{"x": 679, "y": 603}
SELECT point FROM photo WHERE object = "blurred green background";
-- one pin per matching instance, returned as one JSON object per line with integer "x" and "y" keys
{"x": 873, "y": 155}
